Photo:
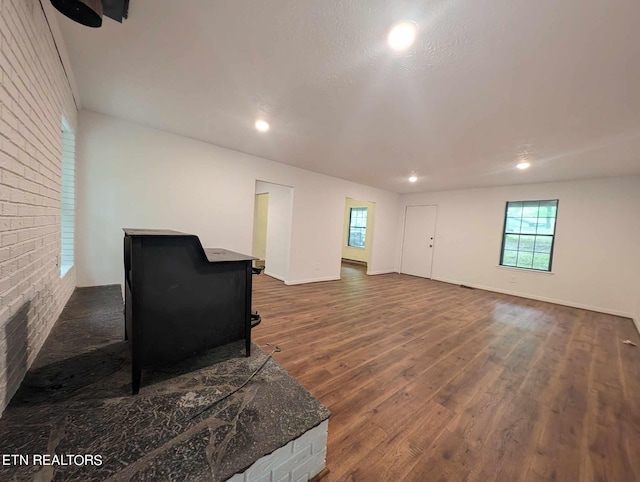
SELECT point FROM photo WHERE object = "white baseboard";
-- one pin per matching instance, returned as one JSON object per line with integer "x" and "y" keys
{"x": 636, "y": 321}
{"x": 381, "y": 271}
{"x": 311, "y": 280}
{"x": 582, "y": 306}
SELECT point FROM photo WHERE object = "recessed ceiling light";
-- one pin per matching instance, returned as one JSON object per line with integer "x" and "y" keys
{"x": 262, "y": 126}
{"x": 413, "y": 178}
{"x": 523, "y": 165}
{"x": 402, "y": 35}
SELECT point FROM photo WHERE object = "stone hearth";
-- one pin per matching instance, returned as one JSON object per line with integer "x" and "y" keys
{"x": 76, "y": 400}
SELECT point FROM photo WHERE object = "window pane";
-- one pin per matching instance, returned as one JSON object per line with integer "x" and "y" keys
{"x": 357, "y": 227}
{"x": 357, "y": 237}
{"x": 529, "y": 225}
{"x": 511, "y": 241}
{"x": 514, "y": 209}
{"x": 541, "y": 261}
{"x": 67, "y": 199}
{"x": 529, "y": 231}
{"x": 525, "y": 260}
{"x": 548, "y": 209}
{"x": 530, "y": 209}
{"x": 543, "y": 244}
{"x": 358, "y": 217}
{"x": 510, "y": 258}
{"x": 546, "y": 226}
{"x": 527, "y": 243}
{"x": 513, "y": 225}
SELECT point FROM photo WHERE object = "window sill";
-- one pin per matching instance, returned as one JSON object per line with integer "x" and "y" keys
{"x": 356, "y": 247}
{"x": 524, "y": 270}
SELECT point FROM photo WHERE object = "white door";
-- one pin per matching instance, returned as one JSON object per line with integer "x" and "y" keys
{"x": 418, "y": 240}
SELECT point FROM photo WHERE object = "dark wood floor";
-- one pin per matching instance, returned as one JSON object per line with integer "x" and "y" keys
{"x": 428, "y": 381}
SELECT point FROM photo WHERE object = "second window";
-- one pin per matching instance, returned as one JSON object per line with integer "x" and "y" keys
{"x": 357, "y": 227}
{"x": 529, "y": 234}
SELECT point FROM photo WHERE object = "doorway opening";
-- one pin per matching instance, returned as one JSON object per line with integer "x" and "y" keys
{"x": 272, "y": 220}
{"x": 260, "y": 219}
{"x": 357, "y": 237}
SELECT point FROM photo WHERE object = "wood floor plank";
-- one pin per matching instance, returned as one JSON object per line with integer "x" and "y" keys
{"x": 449, "y": 458}
{"x": 510, "y": 441}
{"x": 395, "y": 456}
{"x": 429, "y": 381}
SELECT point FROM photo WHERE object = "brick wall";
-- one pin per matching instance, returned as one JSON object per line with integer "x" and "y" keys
{"x": 298, "y": 461}
{"x": 34, "y": 94}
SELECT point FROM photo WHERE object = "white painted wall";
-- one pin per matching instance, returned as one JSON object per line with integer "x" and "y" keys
{"x": 597, "y": 249}
{"x": 133, "y": 176}
{"x": 34, "y": 94}
{"x": 279, "y": 224}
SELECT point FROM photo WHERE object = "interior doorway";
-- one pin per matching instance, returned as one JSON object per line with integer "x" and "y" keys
{"x": 357, "y": 237}
{"x": 418, "y": 240}
{"x": 260, "y": 218}
{"x": 273, "y": 217}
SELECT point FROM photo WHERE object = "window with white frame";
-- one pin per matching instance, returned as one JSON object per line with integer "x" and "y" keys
{"x": 529, "y": 234}
{"x": 357, "y": 227}
{"x": 68, "y": 198}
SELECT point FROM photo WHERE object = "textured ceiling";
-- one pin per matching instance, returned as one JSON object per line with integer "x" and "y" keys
{"x": 486, "y": 82}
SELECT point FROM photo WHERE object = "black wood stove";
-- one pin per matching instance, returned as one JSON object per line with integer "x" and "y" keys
{"x": 181, "y": 299}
